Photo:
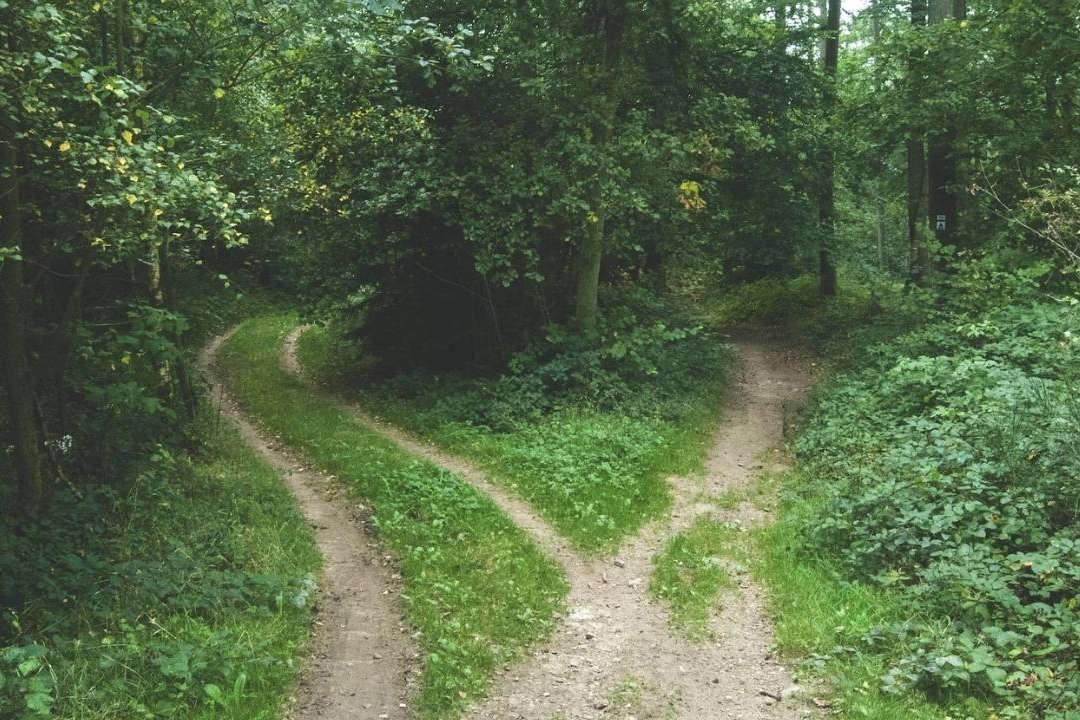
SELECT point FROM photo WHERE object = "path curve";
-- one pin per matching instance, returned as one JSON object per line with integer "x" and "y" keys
{"x": 614, "y": 640}
{"x": 556, "y": 546}
{"x": 362, "y": 659}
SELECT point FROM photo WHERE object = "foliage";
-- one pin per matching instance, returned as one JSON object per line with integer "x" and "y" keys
{"x": 186, "y": 593}
{"x": 959, "y": 492}
{"x": 778, "y": 301}
{"x": 820, "y": 619}
{"x": 476, "y": 588}
{"x": 584, "y": 429}
{"x": 458, "y": 198}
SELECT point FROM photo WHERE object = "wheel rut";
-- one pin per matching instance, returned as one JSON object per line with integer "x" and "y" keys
{"x": 614, "y": 653}
{"x": 362, "y": 660}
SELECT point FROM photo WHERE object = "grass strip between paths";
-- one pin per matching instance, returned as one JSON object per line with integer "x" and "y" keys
{"x": 475, "y": 586}
{"x": 596, "y": 476}
{"x": 693, "y": 570}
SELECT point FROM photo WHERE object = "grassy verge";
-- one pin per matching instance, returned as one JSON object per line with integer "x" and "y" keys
{"x": 183, "y": 596}
{"x": 476, "y": 588}
{"x": 823, "y": 620}
{"x": 596, "y": 475}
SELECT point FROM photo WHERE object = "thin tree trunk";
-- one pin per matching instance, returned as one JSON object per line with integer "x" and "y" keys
{"x": 17, "y": 379}
{"x": 610, "y": 22}
{"x": 827, "y": 197}
{"x": 916, "y": 164}
{"x": 941, "y": 166}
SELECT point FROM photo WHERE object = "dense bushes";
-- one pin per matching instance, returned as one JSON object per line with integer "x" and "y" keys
{"x": 583, "y": 427}
{"x": 949, "y": 469}
{"x": 646, "y": 359}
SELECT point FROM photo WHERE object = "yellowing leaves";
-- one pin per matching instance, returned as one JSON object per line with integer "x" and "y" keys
{"x": 131, "y": 199}
{"x": 64, "y": 146}
{"x": 128, "y": 136}
{"x": 689, "y": 196}
{"x": 219, "y": 93}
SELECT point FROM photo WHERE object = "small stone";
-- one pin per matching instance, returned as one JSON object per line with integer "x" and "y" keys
{"x": 618, "y": 563}
{"x": 634, "y": 583}
{"x": 589, "y": 636}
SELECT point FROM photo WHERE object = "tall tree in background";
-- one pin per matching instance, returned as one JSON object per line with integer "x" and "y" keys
{"x": 606, "y": 22}
{"x": 827, "y": 198}
{"x": 941, "y": 159}
{"x": 916, "y": 154}
{"x": 14, "y": 301}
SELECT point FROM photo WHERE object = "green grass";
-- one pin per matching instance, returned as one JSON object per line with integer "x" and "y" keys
{"x": 183, "y": 601}
{"x": 822, "y": 620}
{"x": 596, "y": 476}
{"x": 694, "y": 570}
{"x": 476, "y": 588}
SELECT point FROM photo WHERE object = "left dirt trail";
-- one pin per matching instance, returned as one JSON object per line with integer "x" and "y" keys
{"x": 362, "y": 659}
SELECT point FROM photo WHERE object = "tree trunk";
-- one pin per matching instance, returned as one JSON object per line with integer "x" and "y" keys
{"x": 608, "y": 20}
{"x": 170, "y": 302}
{"x": 941, "y": 167}
{"x": 588, "y": 275}
{"x": 916, "y": 163}
{"x": 17, "y": 379}
{"x": 827, "y": 197}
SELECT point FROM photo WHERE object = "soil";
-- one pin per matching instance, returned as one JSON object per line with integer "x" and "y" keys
{"x": 614, "y": 654}
{"x": 361, "y": 660}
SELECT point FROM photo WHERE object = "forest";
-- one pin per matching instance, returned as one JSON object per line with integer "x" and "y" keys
{"x": 525, "y": 262}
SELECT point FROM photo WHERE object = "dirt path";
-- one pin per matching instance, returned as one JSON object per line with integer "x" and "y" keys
{"x": 362, "y": 658}
{"x": 615, "y": 655}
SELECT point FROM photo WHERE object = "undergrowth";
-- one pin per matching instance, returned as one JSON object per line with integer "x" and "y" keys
{"x": 940, "y": 481}
{"x": 585, "y": 429}
{"x": 184, "y": 593}
{"x": 475, "y": 586}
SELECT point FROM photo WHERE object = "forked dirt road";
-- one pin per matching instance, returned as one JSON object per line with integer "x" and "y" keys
{"x": 614, "y": 656}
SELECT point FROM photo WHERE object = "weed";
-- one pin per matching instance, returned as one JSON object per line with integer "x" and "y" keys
{"x": 695, "y": 567}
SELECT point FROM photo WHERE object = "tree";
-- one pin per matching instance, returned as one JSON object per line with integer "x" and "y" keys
{"x": 15, "y": 299}
{"x": 97, "y": 204}
{"x": 606, "y": 21}
{"x": 827, "y": 199}
{"x": 942, "y": 148}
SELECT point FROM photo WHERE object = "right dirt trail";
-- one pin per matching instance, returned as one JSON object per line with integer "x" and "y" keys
{"x": 615, "y": 654}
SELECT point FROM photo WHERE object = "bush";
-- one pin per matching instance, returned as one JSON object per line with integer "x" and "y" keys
{"x": 646, "y": 358}
{"x": 949, "y": 469}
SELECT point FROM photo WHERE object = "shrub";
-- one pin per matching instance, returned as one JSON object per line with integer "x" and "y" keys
{"x": 949, "y": 469}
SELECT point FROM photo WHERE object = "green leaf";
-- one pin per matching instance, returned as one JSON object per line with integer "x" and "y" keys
{"x": 215, "y": 693}
{"x": 39, "y": 703}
